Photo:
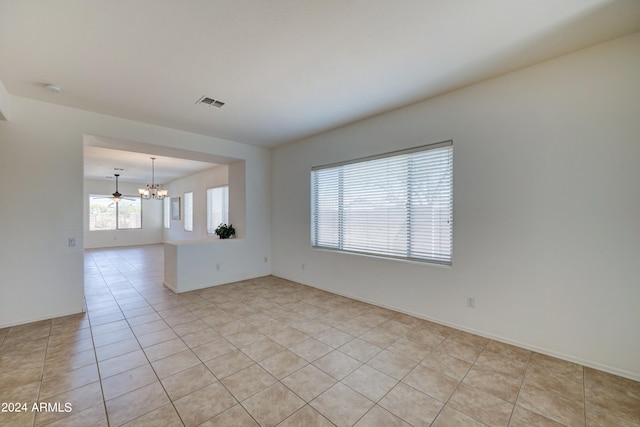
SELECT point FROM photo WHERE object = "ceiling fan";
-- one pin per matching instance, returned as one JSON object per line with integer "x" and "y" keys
{"x": 117, "y": 196}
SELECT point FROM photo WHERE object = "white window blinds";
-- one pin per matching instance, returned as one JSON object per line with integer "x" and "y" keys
{"x": 398, "y": 205}
{"x": 217, "y": 208}
{"x": 188, "y": 211}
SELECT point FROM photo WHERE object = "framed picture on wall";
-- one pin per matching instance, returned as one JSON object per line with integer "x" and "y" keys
{"x": 175, "y": 208}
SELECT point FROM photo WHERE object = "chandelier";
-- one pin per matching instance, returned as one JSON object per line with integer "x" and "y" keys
{"x": 153, "y": 190}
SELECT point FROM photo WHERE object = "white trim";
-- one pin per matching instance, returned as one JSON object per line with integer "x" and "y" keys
{"x": 584, "y": 362}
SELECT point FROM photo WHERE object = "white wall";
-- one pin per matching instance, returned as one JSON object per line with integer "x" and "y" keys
{"x": 546, "y": 209}
{"x": 41, "y": 155}
{"x": 198, "y": 184}
{"x": 150, "y": 233}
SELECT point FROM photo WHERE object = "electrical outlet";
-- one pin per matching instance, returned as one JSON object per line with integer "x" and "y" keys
{"x": 217, "y": 266}
{"x": 266, "y": 260}
{"x": 471, "y": 302}
{"x": 72, "y": 242}
{"x": 303, "y": 266}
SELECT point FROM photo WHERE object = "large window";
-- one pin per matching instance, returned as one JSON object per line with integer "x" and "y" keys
{"x": 188, "y": 211}
{"x": 105, "y": 214}
{"x": 217, "y": 207}
{"x": 398, "y": 205}
{"x": 166, "y": 212}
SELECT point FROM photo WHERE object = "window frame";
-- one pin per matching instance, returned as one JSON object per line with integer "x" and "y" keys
{"x": 342, "y": 178}
{"x": 211, "y": 227}
{"x": 188, "y": 211}
{"x": 117, "y": 212}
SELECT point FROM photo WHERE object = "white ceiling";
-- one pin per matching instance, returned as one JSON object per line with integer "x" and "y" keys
{"x": 286, "y": 69}
{"x": 102, "y": 163}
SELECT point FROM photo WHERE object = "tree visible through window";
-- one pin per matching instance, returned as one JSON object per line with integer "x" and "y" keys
{"x": 398, "y": 205}
{"x": 105, "y": 214}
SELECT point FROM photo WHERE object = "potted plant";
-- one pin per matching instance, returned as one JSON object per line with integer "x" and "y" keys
{"x": 225, "y": 231}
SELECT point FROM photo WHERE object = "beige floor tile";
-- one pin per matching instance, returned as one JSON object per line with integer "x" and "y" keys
{"x": 156, "y": 337}
{"x": 180, "y": 319}
{"x": 392, "y": 364}
{"x": 547, "y": 380}
{"x": 245, "y": 337}
{"x": 165, "y": 349}
{"x": 337, "y": 364}
{"x": 558, "y": 367}
{"x": 94, "y": 416}
{"x": 187, "y": 381}
{"x": 203, "y": 404}
{"x": 411, "y": 405}
{"x": 441, "y": 361}
{"x": 248, "y": 382}
{"x": 141, "y": 319}
{"x": 370, "y": 383}
{"x": 112, "y": 337}
{"x": 311, "y": 349}
{"x": 525, "y": 418}
{"x": 410, "y": 349}
{"x": 165, "y": 416}
{"x": 378, "y": 417}
{"x": 624, "y": 402}
{"x": 69, "y": 348}
{"x": 459, "y": 349}
{"x": 551, "y": 405}
{"x": 308, "y": 417}
{"x": 80, "y": 398}
{"x": 109, "y": 327}
{"x": 122, "y": 363}
{"x": 147, "y": 328}
{"x": 360, "y": 350}
{"x": 600, "y": 417}
{"x": 201, "y": 337}
{"x": 502, "y": 364}
{"x": 334, "y": 337}
{"x": 309, "y": 382}
{"x": 502, "y": 386}
{"x": 424, "y": 338}
{"x": 283, "y": 326}
{"x": 19, "y": 419}
{"x": 175, "y": 363}
{"x": 117, "y": 349}
{"x": 341, "y": 405}
{"x": 136, "y": 403}
{"x": 434, "y": 384}
{"x": 282, "y": 364}
{"x": 190, "y": 327}
{"x": 394, "y": 327}
{"x": 289, "y": 337}
{"x": 127, "y": 381}
{"x": 230, "y": 363}
{"x": 213, "y": 349}
{"x": 235, "y": 416}
{"x": 481, "y": 406}
{"x": 261, "y": 405}
{"x": 68, "y": 380}
{"x": 450, "y": 417}
{"x": 509, "y": 351}
{"x": 379, "y": 338}
{"x": 260, "y": 350}
{"x": 57, "y": 365}
{"x": 599, "y": 379}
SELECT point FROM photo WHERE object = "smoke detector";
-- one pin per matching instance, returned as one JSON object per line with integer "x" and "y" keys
{"x": 53, "y": 88}
{"x": 210, "y": 102}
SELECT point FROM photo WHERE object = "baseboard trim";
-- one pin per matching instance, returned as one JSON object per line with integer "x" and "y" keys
{"x": 40, "y": 318}
{"x": 548, "y": 352}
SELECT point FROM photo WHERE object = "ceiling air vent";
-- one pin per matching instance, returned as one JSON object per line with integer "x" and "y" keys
{"x": 210, "y": 102}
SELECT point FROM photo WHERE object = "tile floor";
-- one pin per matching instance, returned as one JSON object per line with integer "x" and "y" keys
{"x": 272, "y": 352}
